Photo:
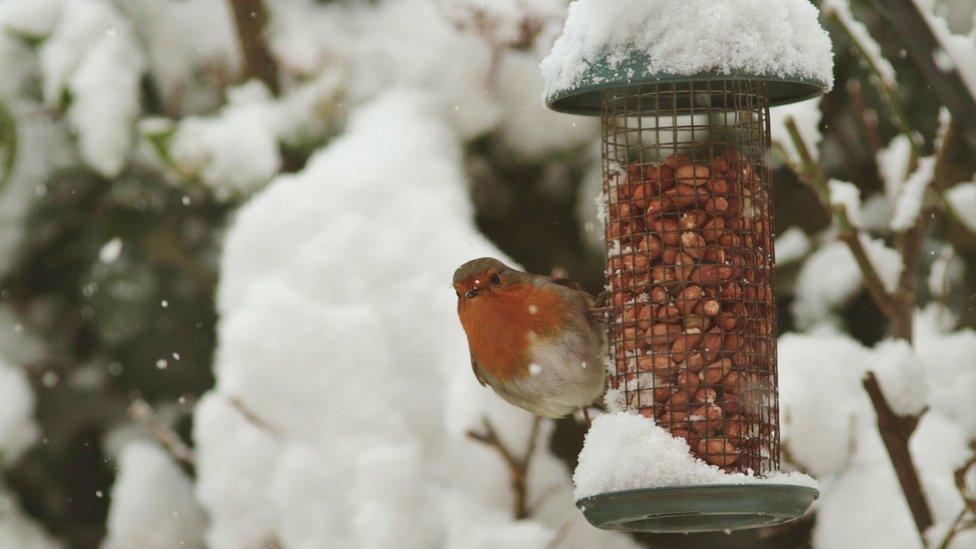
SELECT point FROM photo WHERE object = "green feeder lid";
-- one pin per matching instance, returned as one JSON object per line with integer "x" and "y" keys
{"x": 604, "y": 75}
{"x": 705, "y": 508}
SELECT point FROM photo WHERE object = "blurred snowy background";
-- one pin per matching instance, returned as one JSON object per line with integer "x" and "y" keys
{"x": 227, "y": 229}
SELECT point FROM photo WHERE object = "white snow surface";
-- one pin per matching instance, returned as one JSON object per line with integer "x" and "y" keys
{"x": 893, "y": 165}
{"x": 504, "y": 20}
{"x": 843, "y": 193}
{"x": 962, "y": 199}
{"x": 403, "y": 43}
{"x": 829, "y": 429}
{"x": 777, "y": 38}
{"x": 18, "y": 431}
{"x": 236, "y": 151}
{"x": 947, "y": 357}
{"x": 886, "y": 260}
{"x": 342, "y": 55}
{"x": 17, "y": 428}
{"x": 827, "y": 278}
{"x": 34, "y": 19}
{"x": 830, "y": 276}
{"x": 791, "y": 245}
{"x": 959, "y": 50}
{"x": 339, "y": 332}
{"x": 626, "y": 451}
{"x": 94, "y": 55}
{"x": 909, "y": 202}
{"x": 186, "y": 41}
{"x": 152, "y": 502}
{"x": 945, "y": 272}
{"x": 901, "y": 376}
{"x": 859, "y": 32}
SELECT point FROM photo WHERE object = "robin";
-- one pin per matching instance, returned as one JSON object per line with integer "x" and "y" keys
{"x": 535, "y": 340}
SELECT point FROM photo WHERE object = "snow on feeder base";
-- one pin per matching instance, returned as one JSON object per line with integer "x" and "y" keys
{"x": 692, "y": 314}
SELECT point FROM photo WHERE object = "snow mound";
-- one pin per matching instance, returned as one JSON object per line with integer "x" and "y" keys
{"x": 344, "y": 385}
{"x": 625, "y": 451}
{"x": 95, "y": 57}
{"x": 962, "y": 198}
{"x": 829, "y": 428}
{"x": 909, "y": 204}
{"x": 152, "y": 502}
{"x": 17, "y": 428}
{"x": 791, "y": 246}
{"x": 776, "y": 38}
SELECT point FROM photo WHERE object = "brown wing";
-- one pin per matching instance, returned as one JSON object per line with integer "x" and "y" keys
{"x": 477, "y": 372}
{"x": 593, "y": 314}
{"x": 566, "y": 282}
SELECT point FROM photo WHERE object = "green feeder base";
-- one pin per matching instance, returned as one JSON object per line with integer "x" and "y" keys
{"x": 706, "y": 508}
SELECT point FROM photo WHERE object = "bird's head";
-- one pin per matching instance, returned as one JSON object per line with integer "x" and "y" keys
{"x": 482, "y": 277}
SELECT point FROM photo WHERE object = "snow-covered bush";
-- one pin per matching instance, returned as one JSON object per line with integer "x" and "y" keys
{"x": 337, "y": 332}
{"x": 265, "y": 260}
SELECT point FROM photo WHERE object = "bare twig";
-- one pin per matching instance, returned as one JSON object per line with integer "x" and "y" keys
{"x": 951, "y": 139}
{"x": 518, "y": 467}
{"x": 872, "y": 280}
{"x": 885, "y": 87}
{"x": 809, "y": 172}
{"x": 142, "y": 413}
{"x": 544, "y": 496}
{"x": 946, "y": 256}
{"x": 969, "y": 504}
{"x": 251, "y": 416}
{"x": 561, "y": 534}
{"x": 895, "y": 432}
{"x": 250, "y": 19}
{"x": 954, "y": 529}
{"x": 906, "y": 18}
{"x": 903, "y": 301}
{"x": 959, "y": 475}
{"x": 867, "y": 118}
{"x": 485, "y": 27}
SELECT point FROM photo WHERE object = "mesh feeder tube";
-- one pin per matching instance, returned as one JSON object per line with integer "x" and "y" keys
{"x": 690, "y": 277}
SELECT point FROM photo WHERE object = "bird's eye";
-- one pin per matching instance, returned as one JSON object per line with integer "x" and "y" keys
{"x": 495, "y": 279}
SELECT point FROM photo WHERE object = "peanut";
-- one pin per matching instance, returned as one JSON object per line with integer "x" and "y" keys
{"x": 691, "y": 286}
{"x": 718, "y": 451}
{"x": 690, "y": 173}
{"x": 683, "y": 344}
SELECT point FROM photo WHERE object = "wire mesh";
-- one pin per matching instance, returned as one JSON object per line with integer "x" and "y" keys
{"x": 690, "y": 265}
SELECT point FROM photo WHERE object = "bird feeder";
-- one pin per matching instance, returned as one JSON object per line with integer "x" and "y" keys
{"x": 690, "y": 279}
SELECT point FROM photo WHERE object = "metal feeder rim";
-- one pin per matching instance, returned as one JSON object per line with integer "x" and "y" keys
{"x": 586, "y": 97}
{"x": 699, "y": 508}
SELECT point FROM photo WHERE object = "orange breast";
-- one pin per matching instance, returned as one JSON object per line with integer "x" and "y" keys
{"x": 501, "y": 324}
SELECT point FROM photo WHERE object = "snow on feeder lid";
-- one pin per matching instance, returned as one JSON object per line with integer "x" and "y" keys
{"x": 683, "y": 88}
{"x": 614, "y": 44}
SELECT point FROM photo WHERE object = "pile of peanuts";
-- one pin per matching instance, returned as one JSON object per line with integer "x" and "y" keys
{"x": 690, "y": 270}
